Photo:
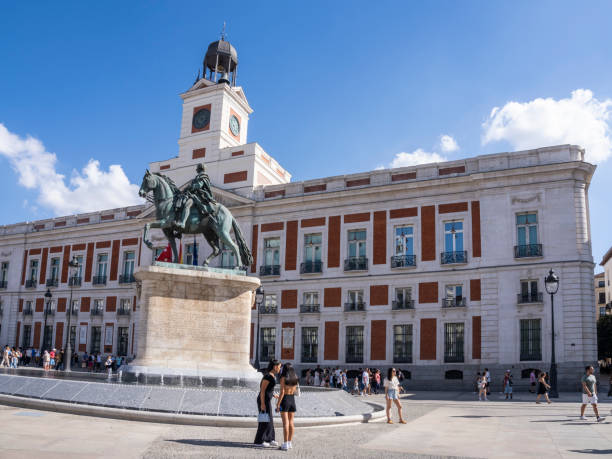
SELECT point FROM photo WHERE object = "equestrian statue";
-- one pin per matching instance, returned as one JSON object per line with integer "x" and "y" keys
{"x": 192, "y": 211}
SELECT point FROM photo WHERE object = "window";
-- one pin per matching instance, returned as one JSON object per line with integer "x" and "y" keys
{"x": 453, "y": 342}
{"x": 73, "y": 336}
{"x": 96, "y": 338}
{"x": 75, "y": 306}
{"x": 272, "y": 251}
{"x": 4, "y": 274}
{"x": 54, "y": 269}
{"x": 600, "y": 284}
{"x": 268, "y": 344}
{"x": 122, "y": 341}
{"x": 453, "y": 243}
{"x": 403, "y": 298}
{"x": 78, "y": 272}
{"x": 98, "y": 307}
{"x": 354, "y": 344}
{"x": 404, "y": 240}
{"x": 128, "y": 264}
{"x": 28, "y": 307}
{"x": 102, "y": 264}
{"x": 311, "y": 302}
{"x": 270, "y": 304}
{"x": 529, "y": 292}
{"x": 402, "y": 343}
{"x": 312, "y": 247}
{"x": 454, "y": 296}
{"x": 357, "y": 243}
{"x": 354, "y": 300}
{"x": 602, "y": 311}
{"x": 33, "y": 270}
{"x": 310, "y": 343}
{"x": 228, "y": 260}
{"x": 191, "y": 254}
{"x": 527, "y": 236}
{"x": 27, "y": 333}
{"x": 531, "y": 346}
{"x": 125, "y": 306}
{"x": 602, "y": 297}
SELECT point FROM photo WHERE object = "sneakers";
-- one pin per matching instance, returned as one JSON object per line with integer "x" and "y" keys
{"x": 599, "y": 419}
{"x": 290, "y": 444}
{"x": 274, "y": 443}
{"x": 264, "y": 444}
{"x": 583, "y": 418}
{"x": 285, "y": 446}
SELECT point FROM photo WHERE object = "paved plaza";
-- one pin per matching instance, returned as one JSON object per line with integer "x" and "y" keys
{"x": 441, "y": 424}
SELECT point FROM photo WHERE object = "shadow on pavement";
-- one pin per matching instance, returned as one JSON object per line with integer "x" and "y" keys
{"x": 591, "y": 451}
{"x": 221, "y": 443}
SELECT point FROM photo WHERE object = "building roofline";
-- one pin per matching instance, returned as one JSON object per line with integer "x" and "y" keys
{"x": 606, "y": 257}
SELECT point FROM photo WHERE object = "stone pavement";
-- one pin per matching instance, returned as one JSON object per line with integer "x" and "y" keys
{"x": 441, "y": 424}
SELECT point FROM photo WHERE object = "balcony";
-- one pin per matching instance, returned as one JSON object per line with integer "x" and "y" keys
{"x": 354, "y": 307}
{"x": 310, "y": 308}
{"x": 126, "y": 279}
{"x": 28, "y": 312}
{"x": 75, "y": 281}
{"x": 453, "y": 302}
{"x": 356, "y": 264}
{"x": 405, "y": 304}
{"x": 51, "y": 282}
{"x": 30, "y": 283}
{"x": 74, "y": 310}
{"x": 269, "y": 270}
{"x": 99, "y": 280}
{"x": 311, "y": 267}
{"x": 453, "y": 258}
{"x": 403, "y": 261}
{"x": 269, "y": 310}
{"x": 124, "y": 311}
{"x": 49, "y": 311}
{"x": 529, "y": 250}
{"x": 3, "y": 284}
{"x": 529, "y": 298}
{"x": 99, "y": 312}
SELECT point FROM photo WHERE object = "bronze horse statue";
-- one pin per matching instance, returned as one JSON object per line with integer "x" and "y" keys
{"x": 215, "y": 230}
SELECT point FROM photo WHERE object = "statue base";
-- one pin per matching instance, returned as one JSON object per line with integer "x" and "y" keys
{"x": 194, "y": 327}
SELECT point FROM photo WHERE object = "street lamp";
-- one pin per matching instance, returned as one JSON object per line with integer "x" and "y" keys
{"x": 259, "y": 296}
{"x": 551, "y": 283}
{"x": 48, "y": 296}
{"x": 73, "y": 264}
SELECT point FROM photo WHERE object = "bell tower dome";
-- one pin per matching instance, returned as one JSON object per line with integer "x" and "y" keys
{"x": 221, "y": 62}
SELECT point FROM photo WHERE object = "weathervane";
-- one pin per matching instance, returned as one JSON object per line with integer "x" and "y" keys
{"x": 223, "y": 32}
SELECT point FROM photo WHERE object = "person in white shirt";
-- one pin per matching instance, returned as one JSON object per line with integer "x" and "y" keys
{"x": 365, "y": 381}
{"x": 392, "y": 391}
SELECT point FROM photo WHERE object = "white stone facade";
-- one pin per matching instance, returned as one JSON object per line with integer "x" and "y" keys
{"x": 484, "y": 193}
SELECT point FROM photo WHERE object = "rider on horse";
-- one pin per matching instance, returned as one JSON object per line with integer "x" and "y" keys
{"x": 200, "y": 194}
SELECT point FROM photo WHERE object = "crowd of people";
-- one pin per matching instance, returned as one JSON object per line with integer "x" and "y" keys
{"x": 53, "y": 359}
{"x": 365, "y": 381}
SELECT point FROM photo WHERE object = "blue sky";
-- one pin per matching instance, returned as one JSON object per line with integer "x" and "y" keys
{"x": 337, "y": 87}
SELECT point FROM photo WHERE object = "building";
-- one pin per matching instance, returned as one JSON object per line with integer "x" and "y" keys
{"x": 604, "y": 291}
{"x": 436, "y": 268}
{"x": 600, "y": 294}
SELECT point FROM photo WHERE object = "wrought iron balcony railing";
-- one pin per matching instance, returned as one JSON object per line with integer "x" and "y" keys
{"x": 74, "y": 310}
{"x": 453, "y": 302}
{"x": 269, "y": 310}
{"x": 51, "y": 282}
{"x": 404, "y": 304}
{"x": 528, "y": 250}
{"x": 356, "y": 264}
{"x": 310, "y": 267}
{"x": 30, "y": 283}
{"x": 75, "y": 281}
{"x": 453, "y": 258}
{"x": 352, "y": 307}
{"x": 403, "y": 261}
{"x": 28, "y": 312}
{"x": 124, "y": 311}
{"x": 126, "y": 278}
{"x": 529, "y": 298}
{"x": 97, "y": 312}
{"x": 269, "y": 270}
{"x": 49, "y": 311}
{"x": 310, "y": 308}
{"x": 99, "y": 280}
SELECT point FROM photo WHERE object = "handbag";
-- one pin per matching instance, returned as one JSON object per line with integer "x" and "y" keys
{"x": 263, "y": 417}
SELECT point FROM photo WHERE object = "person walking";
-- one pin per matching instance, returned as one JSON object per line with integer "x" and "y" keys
{"x": 392, "y": 391}
{"x": 46, "y": 360}
{"x": 477, "y": 383}
{"x": 286, "y": 404}
{"x": 109, "y": 365}
{"x": 5, "y": 357}
{"x": 265, "y": 428}
{"x": 532, "y": 382}
{"x": 488, "y": 377}
{"x": 589, "y": 393}
{"x": 543, "y": 388}
{"x": 508, "y": 384}
{"x": 482, "y": 389}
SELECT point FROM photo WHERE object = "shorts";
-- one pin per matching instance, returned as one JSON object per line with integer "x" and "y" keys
{"x": 586, "y": 400}
{"x": 392, "y": 394}
{"x": 508, "y": 390}
{"x": 287, "y": 404}
{"x": 52, "y": 362}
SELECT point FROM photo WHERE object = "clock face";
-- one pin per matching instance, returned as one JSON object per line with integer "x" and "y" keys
{"x": 201, "y": 118}
{"x": 234, "y": 125}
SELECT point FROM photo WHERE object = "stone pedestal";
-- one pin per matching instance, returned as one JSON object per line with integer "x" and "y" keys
{"x": 194, "y": 327}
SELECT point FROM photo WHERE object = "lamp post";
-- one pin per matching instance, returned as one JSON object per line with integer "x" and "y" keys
{"x": 48, "y": 296}
{"x": 73, "y": 264}
{"x": 259, "y": 296}
{"x": 551, "y": 283}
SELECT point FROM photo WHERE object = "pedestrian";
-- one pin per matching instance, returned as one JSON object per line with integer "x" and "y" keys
{"x": 477, "y": 383}
{"x": 376, "y": 382}
{"x": 317, "y": 378}
{"x": 532, "y": 381}
{"x": 344, "y": 380}
{"x": 109, "y": 365}
{"x": 5, "y": 357}
{"x": 265, "y": 428}
{"x": 543, "y": 388}
{"x": 589, "y": 393}
{"x": 488, "y": 377}
{"x": 610, "y": 385}
{"x": 46, "y": 360}
{"x": 365, "y": 382}
{"x": 508, "y": 384}
{"x": 286, "y": 403}
{"x": 356, "y": 386}
{"x": 392, "y": 391}
{"x": 482, "y": 388}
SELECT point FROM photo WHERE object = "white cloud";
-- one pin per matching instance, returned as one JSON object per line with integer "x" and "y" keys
{"x": 581, "y": 120}
{"x": 418, "y": 156}
{"x": 89, "y": 190}
{"x": 448, "y": 144}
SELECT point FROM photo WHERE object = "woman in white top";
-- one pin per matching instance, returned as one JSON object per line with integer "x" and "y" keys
{"x": 392, "y": 391}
